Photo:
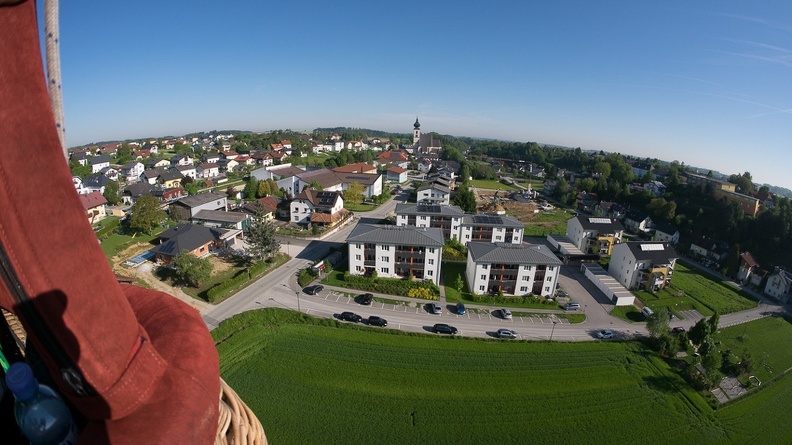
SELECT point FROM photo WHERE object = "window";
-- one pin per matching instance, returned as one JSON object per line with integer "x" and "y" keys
{"x": 385, "y": 247}
{"x": 524, "y": 289}
{"x": 296, "y": 218}
{"x": 526, "y": 278}
{"x": 547, "y": 289}
{"x": 481, "y": 288}
{"x": 358, "y": 268}
{"x": 357, "y": 257}
{"x": 526, "y": 267}
{"x": 549, "y": 278}
{"x": 498, "y": 238}
{"x": 430, "y": 272}
{"x": 423, "y": 218}
{"x": 484, "y": 277}
{"x": 385, "y": 270}
{"x": 467, "y": 236}
{"x": 431, "y": 250}
{"x": 431, "y": 261}
{"x": 357, "y": 246}
{"x": 385, "y": 259}
{"x": 485, "y": 266}
{"x": 550, "y": 267}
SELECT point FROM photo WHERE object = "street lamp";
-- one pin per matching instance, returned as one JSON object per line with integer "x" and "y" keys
{"x": 297, "y": 293}
{"x": 553, "y": 330}
{"x": 288, "y": 248}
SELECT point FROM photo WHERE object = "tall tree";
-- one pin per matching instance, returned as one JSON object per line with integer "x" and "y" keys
{"x": 657, "y": 324}
{"x": 146, "y": 214}
{"x": 191, "y": 269}
{"x": 111, "y": 192}
{"x": 465, "y": 198}
{"x": 354, "y": 194}
{"x": 261, "y": 237}
{"x": 251, "y": 188}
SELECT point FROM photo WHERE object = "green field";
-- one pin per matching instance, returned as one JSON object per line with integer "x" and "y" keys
{"x": 313, "y": 381}
{"x": 693, "y": 289}
{"x": 550, "y": 222}
{"x": 491, "y": 184}
{"x": 761, "y": 338}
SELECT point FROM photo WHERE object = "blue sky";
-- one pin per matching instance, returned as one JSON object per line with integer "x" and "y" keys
{"x": 706, "y": 83}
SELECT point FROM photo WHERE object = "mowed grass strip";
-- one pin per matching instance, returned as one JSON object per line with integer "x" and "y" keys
{"x": 317, "y": 381}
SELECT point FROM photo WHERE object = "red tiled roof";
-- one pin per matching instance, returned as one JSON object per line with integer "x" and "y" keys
{"x": 91, "y": 200}
{"x": 397, "y": 170}
{"x": 749, "y": 259}
{"x": 358, "y": 167}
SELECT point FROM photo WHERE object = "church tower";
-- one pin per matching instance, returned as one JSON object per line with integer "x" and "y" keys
{"x": 416, "y": 131}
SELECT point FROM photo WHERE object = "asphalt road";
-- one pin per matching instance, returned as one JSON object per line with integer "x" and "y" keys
{"x": 280, "y": 289}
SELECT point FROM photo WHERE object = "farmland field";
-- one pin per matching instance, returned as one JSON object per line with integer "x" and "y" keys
{"x": 317, "y": 381}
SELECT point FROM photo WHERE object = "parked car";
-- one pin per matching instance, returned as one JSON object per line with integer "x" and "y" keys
{"x": 605, "y": 334}
{"x": 505, "y": 333}
{"x": 506, "y": 314}
{"x": 677, "y": 330}
{"x": 571, "y": 306}
{"x": 561, "y": 293}
{"x": 460, "y": 308}
{"x": 437, "y": 309}
{"x": 313, "y": 290}
{"x": 366, "y": 299}
{"x": 377, "y": 321}
{"x": 351, "y": 316}
{"x": 442, "y": 328}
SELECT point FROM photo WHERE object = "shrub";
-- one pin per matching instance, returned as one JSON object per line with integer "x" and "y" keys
{"x": 305, "y": 277}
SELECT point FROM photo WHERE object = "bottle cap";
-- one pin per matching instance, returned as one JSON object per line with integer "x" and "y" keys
{"x": 20, "y": 380}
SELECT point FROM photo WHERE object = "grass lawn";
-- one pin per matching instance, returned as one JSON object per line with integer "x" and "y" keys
{"x": 491, "y": 184}
{"x": 115, "y": 243}
{"x": 693, "y": 289}
{"x": 317, "y": 381}
{"x": 762, "y": 338}
{"x": 550, "y": 222}
{"x": 360, "y": 207}
{"x": 536, "y": 184}
{"x": 629, "y": 313}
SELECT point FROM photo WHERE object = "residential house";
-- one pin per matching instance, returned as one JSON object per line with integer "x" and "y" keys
{"x": 230, "y": 154}
{"x": 222, "y": 219}
{"x": 181, "y": 160}
{"x": 424, "y": 165}
{"x": 95, "y": 183}
{"x": 358, "y": 167}
{"x": 666, "y": 233}
{"x": 396, "y": 174}
{"x": 511, "y": 269}
{"x": 643, "y": 265}
{"x": 286, "y": 144}
{"x": 131, "y": 172}
{"x": 266, "y": 206}
{"x": 97, "y": 163}
{"x": 80, "y": 157}
{"x": 132, "y": 192}
{"x": 640, "y": 169}
{"x": 594, "y": 234}
{"x": 586, "y": 202}
{"x": 720, "y": 189}
{"x": 245, "y": 160}
{"x": 94, "y": 205}
{"x": 208, "y": 170}
{"x": 434, "y": 193}
{"x": 607, "y": 209}
{"x": 110, "y": 173}
{"x": 263, "y": 158}
{"x": 211, "y": 158}
{"x": 195, "y": 239}
{"x": 168, "y": 194}
{"x": 491, "y": 228}
{"x": 657, "y": 188}
{"x": 395, "y": 157}
{"x": 188, "y": 171}
{"x": 227, "y": 165}
{"x": 372, "y": 183}
{"x": 635, "y": 221}
{"x": 170, "y": 178}
{"x": 447, "y": 218}
{"x": 317, "y": 207}
{"x": 708, "y": 251}
{"x": 143, "y": 153}
{"x": 747, "y": 267}
{"x": 189, "y": 206}
{"x": 156, "y": 163}
{"x": 396, "y": 252}
{"x": 279, "y": 156}
{"x": 276, "y": 147}
{"x": 150, "y": 175}
{"x": 779, "y": 285}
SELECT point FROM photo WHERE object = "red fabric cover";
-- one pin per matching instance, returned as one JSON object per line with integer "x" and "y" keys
{"x": 55, "y": 254}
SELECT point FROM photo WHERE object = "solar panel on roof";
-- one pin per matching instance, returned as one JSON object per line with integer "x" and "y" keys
{"x": 652, "y": 247}
{"x": 599, "y": 220}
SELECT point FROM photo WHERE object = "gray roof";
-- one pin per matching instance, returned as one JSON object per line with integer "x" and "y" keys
{"x": 170, "y": 175}
{"x": 646, "y": 251}
{"x": 666, "y": 228}
{"x": 429, "y": 210}
{"x": 185, "y": 237}
{"x": 506, "y": 253}
{"x": 600, "y": 224}
{"x": 492, "y": 221}
{"x": 99, "y": 159}
{"x": 442, "y": 188}
{"x": 200, "y": 199}
{"x": 221, "y": 216}
{"x": 404, "y": 235}
{"x": 139, "y": 189}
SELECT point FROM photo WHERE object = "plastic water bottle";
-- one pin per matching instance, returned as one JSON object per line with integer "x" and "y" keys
{"x": 42, "y": 416}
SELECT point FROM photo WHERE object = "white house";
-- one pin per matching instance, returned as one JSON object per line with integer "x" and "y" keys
{"x": 181, "y": 160}
{"x": 314, "y": 206}
{"x": 132, "y": 171}
{"x": 396, "y": 252}
{"x": 666, "y": 233}
{"x": 188, "y": 170}
{"x": 594, "y": 235}
{"x": 448, "y": 218}
{"x": 491, "y": 229}
{"x": 779, "y": 285}
{"x": 99, "y": 162}
{"x": 511, "y": 269}
{"x": 643, "y": 265}
{"x": 208, "y": 170}
{"x": 434, "y": 193}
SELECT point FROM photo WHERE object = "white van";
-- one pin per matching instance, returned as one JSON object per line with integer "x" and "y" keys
{"x": 647, "y": 311}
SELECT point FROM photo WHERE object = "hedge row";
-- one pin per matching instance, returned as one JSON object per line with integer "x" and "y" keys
{"x": 392, "y": 286}
{"x": 305, "y": 277}
{"x": 502, "y": 299}
{"x": 108, "y": 228}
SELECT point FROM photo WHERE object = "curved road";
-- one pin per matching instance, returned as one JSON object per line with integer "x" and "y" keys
{"x": 279, "y": 289}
